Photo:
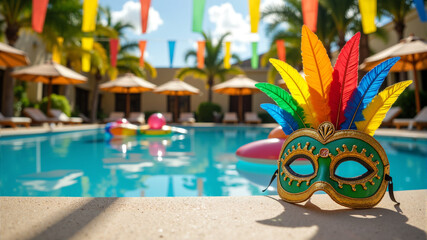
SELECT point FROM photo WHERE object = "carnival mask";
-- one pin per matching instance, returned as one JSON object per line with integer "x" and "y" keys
{"x": 330, "y": 120}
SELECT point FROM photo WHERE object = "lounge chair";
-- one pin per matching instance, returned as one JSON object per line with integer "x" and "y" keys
{"x": 186, "y": 117}
{"x": 38, "y": 116}
{"x": 168, "y": 116}
{"x": 114, "y": 116}
{"x": 251, "y": 117}
{"x": 14, "y": 121}
{"x": 85, "y": 119}
{"x": 419, "y": 121}
{"x": 136, "y": 117}
{"x": 58, "y": 114}
{"x": 390, "y": 116}
{"x": 230, "y": 117}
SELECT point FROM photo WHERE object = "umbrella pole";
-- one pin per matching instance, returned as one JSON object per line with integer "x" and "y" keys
{"x": 417, "y": 94}
{"x": 241, "y": 108}
{"x": 127, "y": 103}
{"x": 49, "y": 92}
{"x": 176, "y": 108}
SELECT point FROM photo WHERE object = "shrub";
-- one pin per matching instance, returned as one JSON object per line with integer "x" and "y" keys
{"x": 58, "y": 102}
{"x": 205, "y": 112}
{"x": 406, "y": 101}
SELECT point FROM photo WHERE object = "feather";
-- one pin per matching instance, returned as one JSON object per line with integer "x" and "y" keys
{"x": 344, "y": 79}
{"x": 298, "y": 88}
{"x": 318, "y": 73}
{"x": 282, "y": 117}
{"x": 364, "y": 93}
{"x": 377, "y": 109}
{"x": 284, "y": 100}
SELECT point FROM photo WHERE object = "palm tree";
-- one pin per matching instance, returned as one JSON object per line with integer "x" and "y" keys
{"x": 214, "y": 67}
{"x": 397, "y": 10}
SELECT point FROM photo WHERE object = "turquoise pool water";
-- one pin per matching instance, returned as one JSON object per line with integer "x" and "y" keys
{"x": 201, "y": 162}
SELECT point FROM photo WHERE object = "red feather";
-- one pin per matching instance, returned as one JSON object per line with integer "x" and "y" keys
{"x": 344, "y": 79}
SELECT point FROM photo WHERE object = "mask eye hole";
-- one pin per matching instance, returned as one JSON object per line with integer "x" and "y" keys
{"x": 351, "y": 169}
{"x": 301, "y": 166}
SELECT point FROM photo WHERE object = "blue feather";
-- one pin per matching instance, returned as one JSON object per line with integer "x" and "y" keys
{"x": 365, "y": 92}
{"x": 282, "y": 117}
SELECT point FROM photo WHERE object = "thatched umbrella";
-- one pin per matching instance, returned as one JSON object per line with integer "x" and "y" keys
{"x": 12, "y": 57}
{"x": 49, "y": 73}
{"x": 413, "y": 56}
{"x": 237, "y": 86}
{"x": 128, "y": 83}
{"x": 176, "y": 88}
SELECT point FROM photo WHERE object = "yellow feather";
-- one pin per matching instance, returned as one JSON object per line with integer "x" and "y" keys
{"x": 375, "y": 112}
{"x": 318, "y": 73}
{"x": 298, "y": 88}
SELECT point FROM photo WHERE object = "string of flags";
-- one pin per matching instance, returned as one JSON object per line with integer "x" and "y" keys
{"x": 368, "y": 9}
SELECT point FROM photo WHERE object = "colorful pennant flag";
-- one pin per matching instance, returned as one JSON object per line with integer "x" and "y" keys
{"x": 281, "y": 49}
{"x": 255, "y": 57}
{"x": 145, "y": 9}
{"x": 227, "y": 55}
{"x": 309, "y": 13}
{"x": 87, "y": 45}
{"x": 114, "y": 49}
{"x": 90, "y": 8}
{"x": 368, "y": 12}
{"x": 142, "y": 49}
{"x": 198, "y": 12}
{"x": 39, "y": 14}
{"x": 56, "y": 51}
{"x": 201, "y": 54}
{"x": 254, "y": 13}
{"x": 171, "y": 52}
{"x": 419, "y": 4}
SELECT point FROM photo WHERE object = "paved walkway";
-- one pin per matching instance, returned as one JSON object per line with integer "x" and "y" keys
{"x": 256, "y": 217}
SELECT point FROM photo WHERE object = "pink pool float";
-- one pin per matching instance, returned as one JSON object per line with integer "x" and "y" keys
{"x": 264, "y": 151}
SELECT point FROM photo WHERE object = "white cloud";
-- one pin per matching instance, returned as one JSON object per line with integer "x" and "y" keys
{"x": 226, "y": 19}
{"x": 131, "y": 13}
{"x": 270, "y": 3}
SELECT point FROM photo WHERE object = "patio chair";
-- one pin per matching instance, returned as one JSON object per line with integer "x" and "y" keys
{"x": 168, "y": 116}
{"x": 230, "y": 117}
{"x": 38, "y": 117}
{"x": 61, "y": 116}
{"x": 419, "y": 121}
{"x": 136, "y": 117}
{"x": 251, "y": 117}
{"x": 14, "y": 121}
{"x": 114, "y": 116}
{"x": 390, "y": 116}
{"x": 186, "y": 117}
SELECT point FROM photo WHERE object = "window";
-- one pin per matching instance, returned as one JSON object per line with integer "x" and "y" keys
{"x": 135, "y": 102}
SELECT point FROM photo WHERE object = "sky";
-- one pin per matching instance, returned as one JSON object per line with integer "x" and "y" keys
{"x": 172, "y": 20}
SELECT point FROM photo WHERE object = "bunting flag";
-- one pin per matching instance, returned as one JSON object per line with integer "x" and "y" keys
{"x": 87, "y": 45}
{"x": 56, "y": 51}
{"x": 368, "y": 12}
{"x": 171, "y": 52}
{"x": 39, "y": 14}
{"x": 201, "y": 54}
{"x": 255, "y": 58}
{"x": 254, "y": 13}
{"x": 145, "y": 9}
{"x": 309, "y": 13}
{"x": 281, "y": 50}
{"x": 142, "y": 49}
{"x": 114, "y": 48}
{"x": 227, "y": 55}
{"x": 90, "y": 8}
{"x": 419, "y": 4}
{"x": 198, "y": 12}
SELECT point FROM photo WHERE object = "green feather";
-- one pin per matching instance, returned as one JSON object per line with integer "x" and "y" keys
{"x": 285, "y": 101}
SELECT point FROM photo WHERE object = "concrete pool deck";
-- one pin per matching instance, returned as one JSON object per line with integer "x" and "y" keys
{"x": 254, "y": 217}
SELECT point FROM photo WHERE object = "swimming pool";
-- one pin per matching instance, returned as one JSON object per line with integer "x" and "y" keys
{"x": 199, "y": 163}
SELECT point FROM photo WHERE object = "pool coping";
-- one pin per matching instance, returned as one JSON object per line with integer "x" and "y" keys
{"x": 4, "y": 132}
{"x": 252, "y": 217}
